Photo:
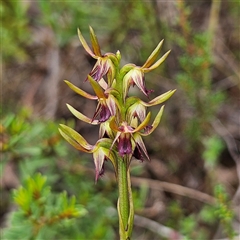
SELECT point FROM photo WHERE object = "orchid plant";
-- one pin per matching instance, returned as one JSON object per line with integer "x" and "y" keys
{"x": 123, "y": 120}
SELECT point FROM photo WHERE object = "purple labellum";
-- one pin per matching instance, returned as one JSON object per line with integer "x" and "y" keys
{"x": 100, "y": 69}
{"x": 105, "y": 114}
{"x": 124, "y": 144}
{"x": 147, "y": 129}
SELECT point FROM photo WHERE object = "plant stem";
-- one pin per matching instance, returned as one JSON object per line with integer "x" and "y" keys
{"x": 123, "y": 190}
{"x": 125, "y": 205}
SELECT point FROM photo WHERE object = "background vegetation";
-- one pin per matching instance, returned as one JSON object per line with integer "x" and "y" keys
{"x": 191, "y": 186}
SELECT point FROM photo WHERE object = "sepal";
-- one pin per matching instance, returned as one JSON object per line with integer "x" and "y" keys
{"x": 149, "y": 129}
{"x": 158, "y": 63}
{"x": 75, "y": 139}
{"x": 153, "y": 55}
{"x": 85, "y": 45}
{"x": 80, "y": 91}
{"x": 95, "y": 44}
{"x": 159, "y": 99}
{"x": 96, "y": 87}
{"x": 82, "y": 117}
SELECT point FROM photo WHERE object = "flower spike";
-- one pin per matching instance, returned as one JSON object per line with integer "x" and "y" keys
{"x": 123, "y": 120}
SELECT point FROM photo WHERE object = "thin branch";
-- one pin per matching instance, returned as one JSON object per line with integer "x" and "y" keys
{"x": 157, "y": 228}
{"x": 175, "y": 188}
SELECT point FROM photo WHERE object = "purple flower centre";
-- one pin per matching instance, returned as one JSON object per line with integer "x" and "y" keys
{"x": 124, "y": 144}
{"x": 104, "y": 114}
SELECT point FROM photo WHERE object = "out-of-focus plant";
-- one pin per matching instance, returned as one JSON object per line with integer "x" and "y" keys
{"x": 40, "y": 211}
{"x": 195, "y": 225}
{"x": 26, "y": 140}
{"x": 223, "y": 211}
{"x": 14, "y": 29}
{"x": 195, "y": 79}
{"x": 64, "y": 18}
{"x": 213, "y": 147}
{"x": 123, "y": 119}
{"x": 30, "y": 146}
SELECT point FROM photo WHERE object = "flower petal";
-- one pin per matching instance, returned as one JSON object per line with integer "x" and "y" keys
{"x": 125, "y": 74}
{"x": 80, "y": 116}
{"x": 111, "y": 103}
{"x": 103, "y": 111}
{"x": 124, "y": 144}
{"x": 160, "y": 99}
{"x": 72, "y": 142}
{"x": 113, "y": 125}
{"x": 80, "y": 91}
{"x": 143, "y": 124}
{"x": 103, "y": 84}
{"x": 156, "y": 121}
{"x": 153, "y": 56}
{"x": 110, "y": 155}
{"x": 141, "y": 145}
{"x": 157, "y": 63}
{"x": 95, "y": 44}
{"x": 96, "y": 87}
{"x": 72, "y": 134}
{"x": 98, "y": 157}
{"x": 137, "y": 110}
{"x": 85, "y": 45}
{"x": 105, "y": 130}
{"x": 100, "y": 69}
{"x": 139, "y": 80}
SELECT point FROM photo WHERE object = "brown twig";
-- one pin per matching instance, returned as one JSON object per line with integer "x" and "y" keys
{"x": 175, "y": 188}
{"x": 157, "y": 228}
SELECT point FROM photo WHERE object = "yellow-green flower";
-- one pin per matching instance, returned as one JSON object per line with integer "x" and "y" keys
{"x": 107, "y": 103}
{"x": 137, "y": 108}
{"x": 128, "y": 135}
{"x": 101, "y": 150}
{"x": 105, "y": 62}
{"x": 135, "y": 74}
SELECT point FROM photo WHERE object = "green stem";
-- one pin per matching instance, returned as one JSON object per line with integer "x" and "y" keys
{"x": 125, "y": 204}
{"x": 123, "y": 190}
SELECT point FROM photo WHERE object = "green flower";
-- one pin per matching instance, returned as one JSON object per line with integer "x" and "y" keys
{"x": 107, "y": 103}
{"x": 137, "y": 108}
{"x": 105, "y": 63}
{"x": 101, "y": 150}
{"x": 128, "y": 136}
{"x": 134, "y": 75}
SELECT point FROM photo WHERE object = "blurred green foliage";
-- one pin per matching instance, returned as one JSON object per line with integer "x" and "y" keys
{"x": 36, "y": 147}
{"x": 14, "y": 29}
{"x": 195, "y": 80}
{"x": 213, "y": 147}
{"x": 41, "y": 213}
{"x": 195, "y": 226}
{"x": 223, "y": 211}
